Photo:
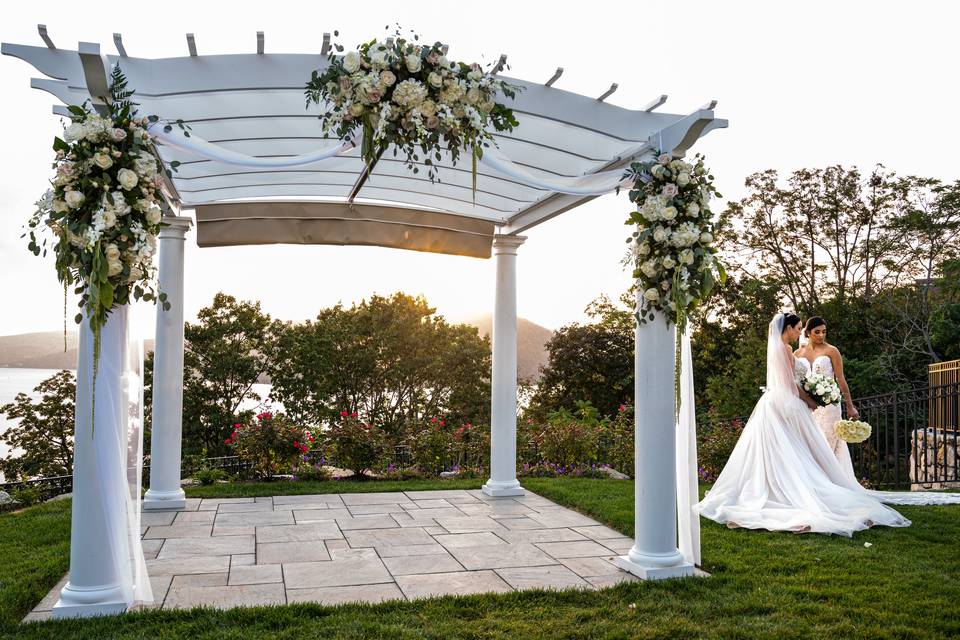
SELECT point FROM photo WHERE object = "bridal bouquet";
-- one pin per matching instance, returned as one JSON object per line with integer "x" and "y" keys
{"x": 103, "y": 209}
{"x": 410, "y": 95}
{"x": 823, "y": 389}
{"x": 852, "y": 431}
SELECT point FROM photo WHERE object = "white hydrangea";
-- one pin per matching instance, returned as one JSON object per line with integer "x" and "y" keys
{"x": 409, "y": 93}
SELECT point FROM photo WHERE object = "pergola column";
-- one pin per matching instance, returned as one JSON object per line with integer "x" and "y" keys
{"x": 165, "y": 491}
{"x": 95, "y": 585}
{"x": 503, "y": 392}
{"x": 654, "y": 554}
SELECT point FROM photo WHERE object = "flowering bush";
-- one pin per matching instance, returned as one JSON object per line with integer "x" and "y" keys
{"x": 554, "y": 470}
{"x": 715, "y": 443}
{"x": 355, "y": 444}
{"x": 672, "y": 249}
{"x": 567, "y": 441}
{"x": 471, "y": 444}
{"x": 620, "y": 433}
{"x": 411, "y": 95}
{"x": 103, "y": 208}
{"x": 431, "y": 445}
{"x": 272, "y": 443}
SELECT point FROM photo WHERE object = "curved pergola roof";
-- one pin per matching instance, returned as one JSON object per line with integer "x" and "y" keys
{"x": 254, "y": 104}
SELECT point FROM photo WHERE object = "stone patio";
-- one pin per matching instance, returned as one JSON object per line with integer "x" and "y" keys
{"x": 368, "y": 547}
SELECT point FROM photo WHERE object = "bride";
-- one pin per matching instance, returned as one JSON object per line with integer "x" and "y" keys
{"x": 783, "y": 476}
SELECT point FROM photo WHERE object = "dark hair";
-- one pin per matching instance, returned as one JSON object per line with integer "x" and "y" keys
{"x": 813, "y": 323}
{"x": 790, "y": 320}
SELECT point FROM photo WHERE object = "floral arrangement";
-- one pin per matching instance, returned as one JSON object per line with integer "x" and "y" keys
{"x": 672, "y": 248}
{"x": 271, "y": 442}
{"x": 103, "y": 208}
{"x": 823, "y": 389}
{"x": 408, "y": 94}
{"x": 671, "y": 252}
{"x": 853, "y": 431}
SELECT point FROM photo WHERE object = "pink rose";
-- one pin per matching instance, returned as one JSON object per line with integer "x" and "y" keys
{"x": 664, "y": 159}
{"x": 345, "y": 84}
{"x": 670, "y": 190}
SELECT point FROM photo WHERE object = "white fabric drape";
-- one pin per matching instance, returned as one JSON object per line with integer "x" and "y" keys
{"x": 594, "y": 184}
{"x": 118, "y": 442}
{"x": 200, "y": 147}
{"x": 688, "y": 490}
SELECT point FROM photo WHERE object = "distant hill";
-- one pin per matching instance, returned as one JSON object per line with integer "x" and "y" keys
{"x": 531, "y": 344}
{"x": 45, "y": 350}
{"x": 42, "y": 350}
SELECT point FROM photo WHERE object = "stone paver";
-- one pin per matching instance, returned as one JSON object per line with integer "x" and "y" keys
{"x": 497, "y": 556}
{"x": 369, "y": 547}
{"x": 549, "y": 577}
{"x": 460, "y": 583}
{"x": 279, "y": 552}
{"x": 409, "y": 565}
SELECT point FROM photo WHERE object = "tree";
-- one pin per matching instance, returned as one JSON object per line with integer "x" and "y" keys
{"x": 44, "y": 433}
{"x": 389, "y": 359}
{"x": 225, "y": 353}
{"x": 589, "y": 363}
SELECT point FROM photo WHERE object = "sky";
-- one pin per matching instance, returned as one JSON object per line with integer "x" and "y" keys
{"x": 803, "y": 84}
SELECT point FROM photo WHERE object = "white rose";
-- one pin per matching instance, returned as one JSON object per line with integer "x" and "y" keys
{"x": 473, "y": 96}
{"x": 356, "y": 109}
{"x": 74, "y": 132}
{"x": 475, "y": 75}
{"x": 413, "y": 62}
{"x": 668, "y": 263}
{"x": 660, "y": 234}
{"x": 435, "y": 80}
{"x": 73, "y": 198}
{"x": 668, "y": 213}
{"x": 706, "y": 237}
{"x": 649, "y": 268}
{"x": 109, "y": 218}
{"x": 651, "y": 294}
{"x": 118, "y": 134}
{"x": 103, "y": 160}
{"x": 378, "y": 59}
{"x": 154, "y": 214}
{"x": 686, "y": 256}
{"x": 127, "y": 179}
{"x": 428, "y": 108}
{"x": 59, "y": 206}
{"x": 643, "y": 249}
{"x": 683, "y": 179}
{"x": 351, "y": 62}
{"x": 387, "y": 77}
{"x": 693, "y": 209}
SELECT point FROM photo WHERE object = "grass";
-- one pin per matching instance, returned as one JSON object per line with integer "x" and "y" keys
{"x": 764, "y": 585}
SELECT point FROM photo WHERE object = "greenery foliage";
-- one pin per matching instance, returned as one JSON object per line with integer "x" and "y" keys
{"x": 43, "y": 431}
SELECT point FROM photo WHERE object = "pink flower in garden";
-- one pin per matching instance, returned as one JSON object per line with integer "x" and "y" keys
{"x": 343, "y": 414}
{"x": 266, "y": 415}
{"x": 442, "y": 423}
{"x": 670, "y": 190}
{"x": 353, "y": 415}
{"x": 432, "y": 420}
{"x": 623, "y": 407}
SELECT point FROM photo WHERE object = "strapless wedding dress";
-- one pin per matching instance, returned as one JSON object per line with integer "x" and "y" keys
{"x": 784, "y": 476}
{"x": 827, "y": 417}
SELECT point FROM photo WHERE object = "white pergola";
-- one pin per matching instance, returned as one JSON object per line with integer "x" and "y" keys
{"x": 254, "y": 104}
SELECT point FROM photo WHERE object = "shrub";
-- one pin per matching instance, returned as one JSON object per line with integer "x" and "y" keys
{"x": 210, "y": 476}
{"x": 471, "y": 445}
{"x": 26, "y": 495}
{"x": 715, "y": 443}
{"x": 567, "y": 441}
{"x": 431, "y": 446}
{"x": 554, "y": 470}
{"x": 356, "y": 445}
{"x": 312, "y": 472}
{"x": 271, "y": 443}
{"x": 620, "y": 435}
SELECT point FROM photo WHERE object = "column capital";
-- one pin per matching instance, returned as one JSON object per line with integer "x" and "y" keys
{"x": 177, "y": 226}
{"x": 507, "y": 244}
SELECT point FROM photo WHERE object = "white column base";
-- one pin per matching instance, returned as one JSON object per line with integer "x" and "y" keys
{"x": 157, "y": 500}
{"x": 86, "y": 603}
{"x": 503, "y": 489}
{"x": 650, "y": 567}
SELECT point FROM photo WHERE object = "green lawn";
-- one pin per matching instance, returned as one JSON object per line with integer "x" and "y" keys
{"x": 764, "y": 585}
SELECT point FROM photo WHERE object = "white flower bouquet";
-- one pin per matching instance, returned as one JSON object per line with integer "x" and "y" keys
{"x": 103, "y": 208}
{"x": 852, "y": 431}
{"x": 672, "y": 248}
{"x": 402, "y": 92}
{"x": 823, "y": 389}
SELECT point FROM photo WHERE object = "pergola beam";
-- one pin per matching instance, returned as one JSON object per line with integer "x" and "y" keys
{"x": 556, "y": 76}
{"x": 192, "y": 45}
{"x": 655, "y": 104}
{"x": 42, "y": 30}
{"x": 260, "y": 43}
{"x": 118, "y": 43}
{"x": 95, "y": 74}
{"x": 325, "y": 48}
{"x": 501, "y": 63}
{"x": 609, "y": 92}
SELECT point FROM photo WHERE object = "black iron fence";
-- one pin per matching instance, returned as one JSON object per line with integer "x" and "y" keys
{"x": 914, "y": 443}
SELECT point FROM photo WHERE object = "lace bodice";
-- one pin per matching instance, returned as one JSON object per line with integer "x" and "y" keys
{"x": 821, "y": 364}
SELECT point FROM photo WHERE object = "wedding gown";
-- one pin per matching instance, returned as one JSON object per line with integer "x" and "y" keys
{"x": 828, "y": 416}
{"x": 782, "y": 474}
